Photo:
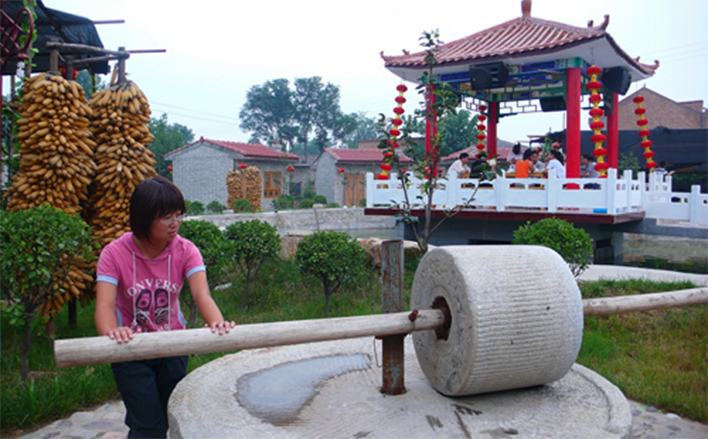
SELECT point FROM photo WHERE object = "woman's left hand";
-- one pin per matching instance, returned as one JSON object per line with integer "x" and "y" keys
{"x": 222, "y": 327}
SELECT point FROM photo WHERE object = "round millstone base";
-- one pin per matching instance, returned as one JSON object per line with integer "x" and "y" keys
{"x": 332, "y": 389}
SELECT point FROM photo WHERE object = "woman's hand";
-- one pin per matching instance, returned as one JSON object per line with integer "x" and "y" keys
{"x": 221, "y": 326}
{"x": 122, "y": 334}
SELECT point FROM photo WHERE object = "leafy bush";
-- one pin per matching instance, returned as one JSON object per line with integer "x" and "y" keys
{"x": 283, "y": 202}
{"x": 242, "y": 205}
{"x": 362, "y": 202}
{"x": 320, "y": 199}
{"x": 332, "y": 257}
{"x": 217, "y": 251}
{"x": 306, "y": 203}
{"x": 573, "y": 245}
{"x": 331, "y": 205}
{"x": 254, "y": 242}
{"x": 38, "y": 249}
{"x": 309, "y": 192}
{"x": 194, "y": 207}
{"x": 215, "y": 207}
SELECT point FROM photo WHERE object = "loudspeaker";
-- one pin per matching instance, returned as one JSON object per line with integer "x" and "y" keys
{"x": 487, "y": 76}
{"x": 555, "y": 103}
{"x": 616, "y": 79}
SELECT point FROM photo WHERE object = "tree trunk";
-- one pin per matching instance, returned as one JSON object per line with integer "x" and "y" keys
{"x": 29, "y": 317}
{"x": 245, "y": 292}
{"x": 192, "y": 314}
{"x": 72, "y": 313}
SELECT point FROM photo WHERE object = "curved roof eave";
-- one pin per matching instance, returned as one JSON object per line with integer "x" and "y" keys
{"x": 602, "y": 51}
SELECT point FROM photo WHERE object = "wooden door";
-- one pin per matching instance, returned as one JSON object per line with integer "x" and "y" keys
{"x": 354, "y": 189}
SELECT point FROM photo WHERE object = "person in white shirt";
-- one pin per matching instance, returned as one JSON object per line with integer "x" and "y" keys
{"x": 459, "y": 166}
{"x": 555, "y": 163}
{"x": 587, "y": 167}
{"x": 515, "y": 154}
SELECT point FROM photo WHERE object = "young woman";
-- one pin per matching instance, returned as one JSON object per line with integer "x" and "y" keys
{"x": 555, "y": 163}
{"x": 139, "y": 279}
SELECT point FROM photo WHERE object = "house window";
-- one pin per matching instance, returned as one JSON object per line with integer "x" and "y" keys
{"x": 271, "y": 184}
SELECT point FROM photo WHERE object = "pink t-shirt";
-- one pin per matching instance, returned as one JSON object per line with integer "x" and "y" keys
{"x": 148, "y": 290}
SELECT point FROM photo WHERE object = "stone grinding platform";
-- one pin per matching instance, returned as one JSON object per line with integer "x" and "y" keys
{"x": 331, "y": 389}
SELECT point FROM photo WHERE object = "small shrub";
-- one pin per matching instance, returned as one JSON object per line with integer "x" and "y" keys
{"x": 194, "y": 207}
{"x": 332, "y": 257}
{"x": 309, "y": 192}
{"x": 320, "y": 199}
{"x": 573, "y": 245}
{"x": 331, "y": 205}
{"x": 362, "y": 202}
{"x": 215, "y": 207}
{"x": 242, "y": 205}
{"x": 217, "y": 251}
{"x": 306, "y": 203}
{"x": 283, "y": 202}
{"x": 254, "y": 242}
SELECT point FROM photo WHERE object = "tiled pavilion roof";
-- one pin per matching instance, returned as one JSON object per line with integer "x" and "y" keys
{"x": 527, "y": 39}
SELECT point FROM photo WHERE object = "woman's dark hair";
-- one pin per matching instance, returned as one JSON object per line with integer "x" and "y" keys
{"x": 516, "y": 148}
{"x": 589, "y": 157}
{"x": 528, "y": 153}
{"x": 558, "y": 156}
{"x": 152, "y": 199}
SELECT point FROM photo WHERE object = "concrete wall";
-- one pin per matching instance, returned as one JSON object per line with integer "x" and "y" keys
{"x": 327, "y": 179}
{"x": 293, "y": 221}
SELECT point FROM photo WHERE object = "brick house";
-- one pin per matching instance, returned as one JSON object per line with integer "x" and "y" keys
{"x": 199, "y": 169}
{"x": 346, "y": 188}
{"x": 662, "y": 112}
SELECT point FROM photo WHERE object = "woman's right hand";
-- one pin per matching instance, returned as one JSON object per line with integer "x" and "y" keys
{"x": 122, "y": 334}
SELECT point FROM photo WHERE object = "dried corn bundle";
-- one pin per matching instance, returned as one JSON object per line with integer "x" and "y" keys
{"x": 251, "y": 182}
{"x": 75, "y": 286}
{"x": 56, "y": 146}
{"x": 120, "y": 126}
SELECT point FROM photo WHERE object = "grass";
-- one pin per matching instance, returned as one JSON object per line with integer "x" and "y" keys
{"x": 658, "y": 358}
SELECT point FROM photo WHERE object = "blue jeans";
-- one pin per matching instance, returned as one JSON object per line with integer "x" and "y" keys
{"x": 145, "y": 387}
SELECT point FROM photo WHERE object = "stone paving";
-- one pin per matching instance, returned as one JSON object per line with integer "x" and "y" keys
{"x": 106, "y": 422}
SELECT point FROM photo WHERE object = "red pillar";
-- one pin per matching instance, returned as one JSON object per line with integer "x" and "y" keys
{"x": 572, "y": 133}
{"x": 613, "y": 131}
{"x": 492, "y": 124}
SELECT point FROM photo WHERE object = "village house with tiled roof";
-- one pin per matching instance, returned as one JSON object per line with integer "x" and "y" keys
{"x": 347, "y": 188}
{"x": 200, "y": 169}
{"x": 662, "y": 112}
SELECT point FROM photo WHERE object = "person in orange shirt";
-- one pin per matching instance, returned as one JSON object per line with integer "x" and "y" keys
{"x": 524, "y": 166}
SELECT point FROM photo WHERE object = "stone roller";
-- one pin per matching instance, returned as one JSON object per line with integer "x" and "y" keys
{"x": 490, "y": 318}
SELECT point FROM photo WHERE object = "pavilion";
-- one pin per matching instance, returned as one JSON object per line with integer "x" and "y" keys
{"x": 528, "y": 65}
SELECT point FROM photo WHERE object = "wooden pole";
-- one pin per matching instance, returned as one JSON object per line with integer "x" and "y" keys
{"x": 97, "y": 350}
{"x": 644, "y": 302}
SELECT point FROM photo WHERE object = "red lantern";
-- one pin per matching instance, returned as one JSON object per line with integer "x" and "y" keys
{"x": 341, "y": 170}
{"x": 382, "y": 177}
{"x": 243, "y": 166}
{"x": 169, "y": 168}
{"x": 290, "y": 169}
{"x": 402, "y": 88}
{"x": 385, "y": 166}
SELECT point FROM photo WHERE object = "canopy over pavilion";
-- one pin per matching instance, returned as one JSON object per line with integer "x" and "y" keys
{"x": 528, "y": 65}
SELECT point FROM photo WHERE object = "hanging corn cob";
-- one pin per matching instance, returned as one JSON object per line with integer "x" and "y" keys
{"x": 246, "y": 180}
{"x": 121, "y": 115}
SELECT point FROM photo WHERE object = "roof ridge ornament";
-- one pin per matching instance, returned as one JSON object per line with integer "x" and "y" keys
{"x": 526, "y": 8}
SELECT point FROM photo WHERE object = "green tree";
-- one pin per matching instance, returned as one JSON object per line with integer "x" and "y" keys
{"x": 254, "y": 242}
{"x": 332, "y": 257}
{"x": 168, "y": 137}
{"x": 458, "y": 131}
{"x": 38, "y": 249}
{"x": 217, "y": 251}
{"x": 269, "y": 113}
{"x": 573, "y": 245}
{"x": 366, "y": 129}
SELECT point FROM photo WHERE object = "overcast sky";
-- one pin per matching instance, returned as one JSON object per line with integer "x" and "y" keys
{"x": 217, "y": 50}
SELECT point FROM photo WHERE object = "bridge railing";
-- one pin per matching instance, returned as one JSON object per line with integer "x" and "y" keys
{"x": 613, "y": 195}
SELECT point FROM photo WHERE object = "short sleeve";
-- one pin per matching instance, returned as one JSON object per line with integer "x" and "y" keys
{"x": 193, "y": 262}
{"x": 107, "y": 267}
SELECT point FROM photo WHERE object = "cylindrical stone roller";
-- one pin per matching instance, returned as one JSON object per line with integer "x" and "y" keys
{"x": 516, "y": 318}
